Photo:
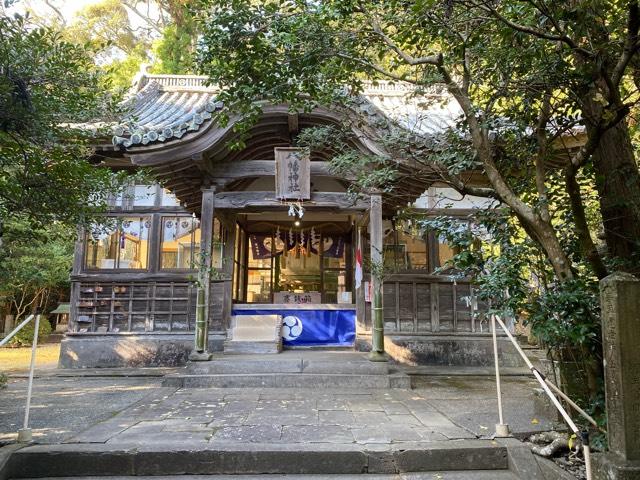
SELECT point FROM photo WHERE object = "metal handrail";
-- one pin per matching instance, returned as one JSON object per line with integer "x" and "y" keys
{"x": 502, "y": 429}
{"x": 25, "y": 434}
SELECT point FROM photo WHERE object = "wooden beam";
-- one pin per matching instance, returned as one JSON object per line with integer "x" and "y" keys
{"x": 242, "y": 200}
{"x": 293, "y": 123}
{"x": 259, "y": 168}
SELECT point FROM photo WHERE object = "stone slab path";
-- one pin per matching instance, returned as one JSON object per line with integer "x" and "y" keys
{"x": 116, "y": 410}
{"x": 225, "y": 416}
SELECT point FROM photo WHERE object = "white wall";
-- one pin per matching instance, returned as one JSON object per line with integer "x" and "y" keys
{"x": 445, "y": 197}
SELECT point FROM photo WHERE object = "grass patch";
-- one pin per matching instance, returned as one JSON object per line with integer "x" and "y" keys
{"x": 17, "y": 359}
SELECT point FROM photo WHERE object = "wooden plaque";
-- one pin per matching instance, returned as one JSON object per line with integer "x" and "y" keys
{"x": 293, "y": 174}
{"x": 307, "y": 298}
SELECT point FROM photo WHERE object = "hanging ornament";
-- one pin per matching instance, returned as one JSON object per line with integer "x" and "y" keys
{"x": 292, "y": 210}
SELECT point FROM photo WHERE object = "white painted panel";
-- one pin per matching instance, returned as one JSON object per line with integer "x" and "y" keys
{"x": 443, "y": 197}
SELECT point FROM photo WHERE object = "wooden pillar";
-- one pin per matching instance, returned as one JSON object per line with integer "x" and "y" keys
{"x": 375, "y": 233}
{"x": 228, "y": 258}
{"x": 200, "y": 352}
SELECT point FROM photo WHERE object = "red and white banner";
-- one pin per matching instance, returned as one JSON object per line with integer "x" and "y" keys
{"x": 358, "y": 268}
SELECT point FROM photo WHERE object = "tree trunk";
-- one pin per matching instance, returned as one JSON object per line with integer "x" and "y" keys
{"x": 618, "y": 184}
{"x": 556, "y": 254}
{"x": 544, "y": 235}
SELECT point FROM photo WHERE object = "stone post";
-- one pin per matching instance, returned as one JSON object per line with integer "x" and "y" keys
{"x": 201, "y": 340}
{"x": 8, "y": 324}
{"x": 620, "y": 301}
{"x": 375, "y": 233}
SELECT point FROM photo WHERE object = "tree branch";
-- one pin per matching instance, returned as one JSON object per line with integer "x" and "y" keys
{"x": 132, "y": 6}
{"x": 539, "y": 159}
{"x": 435, "y": 59}
{"x": 593, "y": 139}
{"x": 562, "y": 37}
{"x": 57, "y": 11}
{"x": 589, "y": 250}
{"x": 631, "y": 43}
{"x": 372, "y": 66}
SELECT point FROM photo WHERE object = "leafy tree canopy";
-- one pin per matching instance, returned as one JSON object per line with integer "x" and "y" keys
{"x": 545, "y": 90}
{"x": 127, "y": 34}
{"x": 34, "y": 265}
{"x": 525, "y": 74}
{"x": 48, "y": 87}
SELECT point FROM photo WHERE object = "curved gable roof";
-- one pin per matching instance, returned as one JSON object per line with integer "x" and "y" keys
{"x": 165, "y": 108}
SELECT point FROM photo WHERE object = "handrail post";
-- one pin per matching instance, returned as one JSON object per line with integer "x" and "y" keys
{"x": 545, "y": 386}
{"x": 25, "y": 434}
{"x": 502, "y": 429}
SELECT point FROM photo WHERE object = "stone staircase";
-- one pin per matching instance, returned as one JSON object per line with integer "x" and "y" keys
{"x": 454, "y": 460}
{"x": 291, "y": 369}
{"x": 473, "y": 459}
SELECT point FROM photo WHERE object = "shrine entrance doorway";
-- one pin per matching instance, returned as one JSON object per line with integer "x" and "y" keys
{"x": 300, "y": 269}
{"x": 309, "y": 259}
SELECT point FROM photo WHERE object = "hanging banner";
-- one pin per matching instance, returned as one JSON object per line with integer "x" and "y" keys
{"x": 358, "y": 275}
{"x": 293, "y": 174}
{"x": 261, "y": 246}
{"x": 333, "y": 246}
{"x": 313, "y": 327}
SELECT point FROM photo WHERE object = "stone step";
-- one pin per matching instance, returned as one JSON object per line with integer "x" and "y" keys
{"x": 77, "y": 460}
{"x": 242, "y": 347}
{"x": 459, "y": 475}
{"x": 287, "y": 380}
{"x": 285, "y": 364}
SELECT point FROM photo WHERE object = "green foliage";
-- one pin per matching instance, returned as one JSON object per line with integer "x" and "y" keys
{"x": 126, "y": 34}
{"x": 174, "y": 51}
{"x": 567, "y": 315}
{"x": 47, "y": 87}
{"x": 3, "y": 380}
{"x": 34, "y": 264}
{"x": 24, "y": 337}
{"x": 492, "y": 250}
{"x": 371, "y": 172}
{"x": 105, "y": 25}
{"x": 122, "y": 71}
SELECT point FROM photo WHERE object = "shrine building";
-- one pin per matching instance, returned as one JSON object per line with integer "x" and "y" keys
{"x": 285, "y": 238}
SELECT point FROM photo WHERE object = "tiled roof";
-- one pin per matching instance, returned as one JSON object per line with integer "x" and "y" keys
{"x": 166, "y": 107}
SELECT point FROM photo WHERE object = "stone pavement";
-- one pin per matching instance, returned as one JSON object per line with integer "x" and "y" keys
{"x": 130, "y": 410}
